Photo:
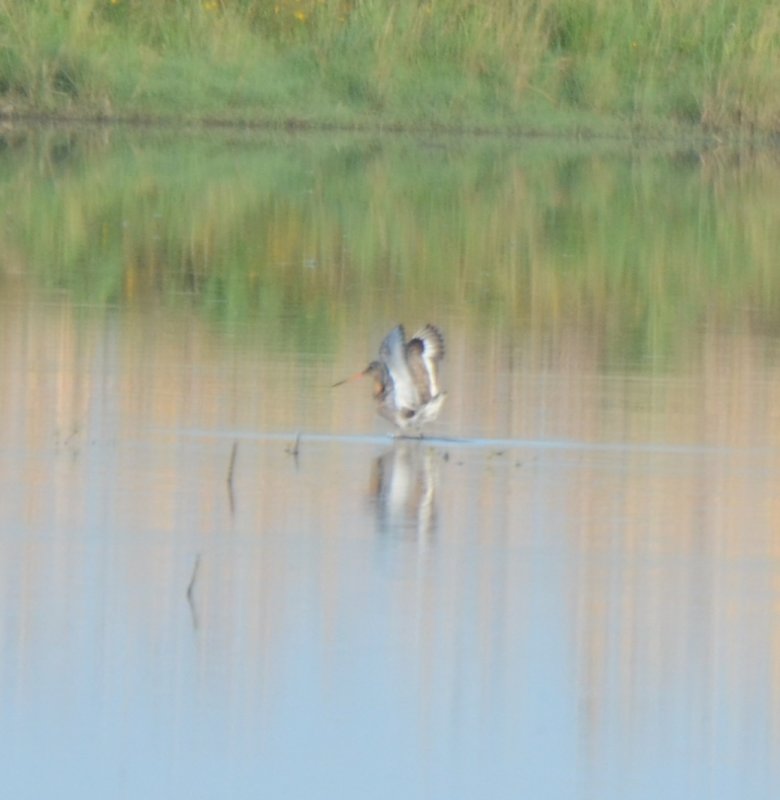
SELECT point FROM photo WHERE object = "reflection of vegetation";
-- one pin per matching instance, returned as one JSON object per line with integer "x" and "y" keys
{"x": 310, "y": 230}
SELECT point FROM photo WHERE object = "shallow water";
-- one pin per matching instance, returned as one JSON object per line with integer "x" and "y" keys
{"x": 570, "y": 588}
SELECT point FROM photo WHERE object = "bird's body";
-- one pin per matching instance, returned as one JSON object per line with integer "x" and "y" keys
{"x": 406, "y": 377}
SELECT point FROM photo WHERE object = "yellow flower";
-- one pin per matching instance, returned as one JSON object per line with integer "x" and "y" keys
{"x": 300, "y": 15}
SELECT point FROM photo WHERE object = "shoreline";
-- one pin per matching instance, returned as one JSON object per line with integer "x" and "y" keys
{"x": 603, "y": 129}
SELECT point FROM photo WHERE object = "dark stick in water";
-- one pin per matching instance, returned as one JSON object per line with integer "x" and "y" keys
{"x": 231, "y": 468}
{"x": 293, "y": 451}
{"x": 232, "y": 464}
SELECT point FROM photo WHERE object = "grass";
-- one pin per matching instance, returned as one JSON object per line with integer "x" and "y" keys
{"x": 572, "y": 65}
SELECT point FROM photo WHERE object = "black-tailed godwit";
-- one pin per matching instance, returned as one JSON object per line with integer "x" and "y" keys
{"x": 406, "y": 379}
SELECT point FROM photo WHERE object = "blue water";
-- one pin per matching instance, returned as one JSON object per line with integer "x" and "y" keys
{"x": 569, "y": 590}
{"x": 339, "y": 641}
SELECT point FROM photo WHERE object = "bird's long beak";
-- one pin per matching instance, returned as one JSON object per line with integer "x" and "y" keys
{"x": 354, "y": 377}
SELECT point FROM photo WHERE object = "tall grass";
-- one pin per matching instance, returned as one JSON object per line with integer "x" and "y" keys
{"x": 502, "y": 64}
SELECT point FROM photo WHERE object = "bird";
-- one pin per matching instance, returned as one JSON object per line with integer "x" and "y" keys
{"x": 406, "y": 379}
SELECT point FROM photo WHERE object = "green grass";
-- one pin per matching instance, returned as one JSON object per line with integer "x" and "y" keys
{"x": 572, "y": 65}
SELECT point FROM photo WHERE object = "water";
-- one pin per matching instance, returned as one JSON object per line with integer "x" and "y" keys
{"x": 570, "y": 589}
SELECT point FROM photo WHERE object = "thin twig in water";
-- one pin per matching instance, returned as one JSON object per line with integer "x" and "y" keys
{"x": 190, "y": 589}
{"x": 293, "y": 451}
{"x": 232, "y": 464}
{"x": 231, "y": 468}
{"x": 191, "y": 584}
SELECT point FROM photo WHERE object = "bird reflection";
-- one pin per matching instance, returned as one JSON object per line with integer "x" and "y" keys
{"x": 403, "y": 486}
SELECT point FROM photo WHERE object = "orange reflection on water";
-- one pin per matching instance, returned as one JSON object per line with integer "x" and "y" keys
{"x": 610, "y": 538}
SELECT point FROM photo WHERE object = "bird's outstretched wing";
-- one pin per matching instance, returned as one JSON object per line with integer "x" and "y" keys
{"x": 423, "y": 353}
{"x": 392, "y": 353}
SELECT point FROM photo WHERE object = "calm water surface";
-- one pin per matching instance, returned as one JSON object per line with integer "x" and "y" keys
{"x": 571, "y": 589}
